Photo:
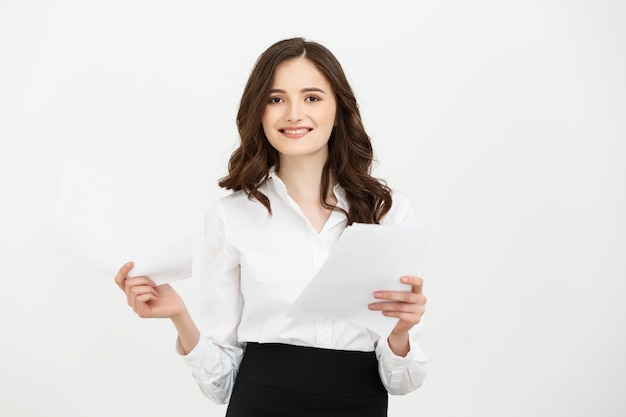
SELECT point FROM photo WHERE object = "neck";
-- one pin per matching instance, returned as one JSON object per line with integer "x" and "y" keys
{"x": 302, "y": 177}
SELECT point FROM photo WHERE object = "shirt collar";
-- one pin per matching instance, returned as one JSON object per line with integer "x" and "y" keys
{"x": 279, "y": 186}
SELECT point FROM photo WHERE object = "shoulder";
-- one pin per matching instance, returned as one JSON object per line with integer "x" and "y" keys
{"x": 236, "y": 210}
{"x": 399, "y": 198}
{"x": 241, "y": 200}
{"x": 401, "y": 210}
{"x": 221, "y": 207}
{"x": 231, "y": 203}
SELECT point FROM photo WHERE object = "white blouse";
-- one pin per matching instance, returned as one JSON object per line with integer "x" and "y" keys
{"x": 254, "y": 266}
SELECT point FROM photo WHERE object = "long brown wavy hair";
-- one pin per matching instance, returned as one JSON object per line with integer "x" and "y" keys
{"x": 350, "y": 153}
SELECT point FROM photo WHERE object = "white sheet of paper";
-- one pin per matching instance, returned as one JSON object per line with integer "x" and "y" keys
{"x": 366, "y": 258}
{"x": 103, "y": 224}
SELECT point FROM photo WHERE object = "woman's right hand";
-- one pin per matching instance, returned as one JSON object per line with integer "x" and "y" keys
{"x": 146, "y": 298}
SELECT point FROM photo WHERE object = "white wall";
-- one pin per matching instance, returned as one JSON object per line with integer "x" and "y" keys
{"x": 507, "y": 118}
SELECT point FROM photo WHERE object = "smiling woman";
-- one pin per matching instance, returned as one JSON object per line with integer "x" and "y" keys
{"x": 300, "y": 176}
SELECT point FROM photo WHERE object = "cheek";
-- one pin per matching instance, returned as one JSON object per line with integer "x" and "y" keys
{"x": 331, "y": 114}
{"x": 268, "y": 128}
{"x": 330, "y": 119}
{"x": 265, "y": 119}
{"x": 266, "y": 122}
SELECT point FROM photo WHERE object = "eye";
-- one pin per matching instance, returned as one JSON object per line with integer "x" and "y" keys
{"x": 312, "y": 99}
{"x": 274, "y": 100}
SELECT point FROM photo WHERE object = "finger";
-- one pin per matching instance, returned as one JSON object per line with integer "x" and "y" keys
{"x": 402, "y": 311}
{"x": 142, "y": 306}
{"x": 416, "y": 282}
{"x": 403, "y": 296}
{"x": 131, "y": 282}
{"x": 412, "y": 318}
{"x": 122, "y": 274}
{"x": 392, "y": 307}
{"x": 138, "y": 285}
{"x": 137, "y": 290}
{"x": 145, "y": 298}
{"x": 139, "y": 293}
{"x": 405, "y": 325}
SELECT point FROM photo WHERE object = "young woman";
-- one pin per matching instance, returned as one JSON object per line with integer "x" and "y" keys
{"x": 300, "y": 176}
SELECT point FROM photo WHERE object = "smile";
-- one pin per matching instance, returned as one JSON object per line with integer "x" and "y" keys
{"x": 300, "y": 131}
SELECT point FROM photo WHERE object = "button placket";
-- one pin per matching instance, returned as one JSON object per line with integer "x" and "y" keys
{"x": 324, "y": 333}
{"x": 319, "y": 248}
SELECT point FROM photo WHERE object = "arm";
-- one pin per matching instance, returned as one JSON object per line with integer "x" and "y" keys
{"x": 151, "y": 301}
{"x": 402, "y": 374}
{"x": 215, "y": 360}
{"x": 214, "y": 367}
{"x": 210, "y": 350}
{"x": 402, "y": 363}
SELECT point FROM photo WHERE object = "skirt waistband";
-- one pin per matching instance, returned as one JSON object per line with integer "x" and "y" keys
{"x": 311, "y": 370}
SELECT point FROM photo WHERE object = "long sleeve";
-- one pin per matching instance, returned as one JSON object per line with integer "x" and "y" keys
{"x": 214, "y": 361}
{"x": 401, "y": 375}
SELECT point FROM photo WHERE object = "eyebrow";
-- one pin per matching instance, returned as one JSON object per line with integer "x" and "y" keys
{"x": 304, "y": 90}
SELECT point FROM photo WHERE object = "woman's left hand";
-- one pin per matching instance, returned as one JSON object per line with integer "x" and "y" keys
{"x": 407, "y": 306}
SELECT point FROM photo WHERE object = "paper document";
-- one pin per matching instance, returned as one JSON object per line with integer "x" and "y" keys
{"x": 103, "y": 224}
{"x": 366, "y": 258}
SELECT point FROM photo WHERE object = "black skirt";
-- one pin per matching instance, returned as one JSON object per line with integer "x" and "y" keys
{"x": 278, "y": 380}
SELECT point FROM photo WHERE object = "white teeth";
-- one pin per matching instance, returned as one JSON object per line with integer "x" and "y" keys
{"x": 296, "y": 131}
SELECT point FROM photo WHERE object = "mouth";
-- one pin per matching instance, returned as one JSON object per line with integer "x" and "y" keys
{"x": 298, "y": 131}
{"x": 295, "y": 133}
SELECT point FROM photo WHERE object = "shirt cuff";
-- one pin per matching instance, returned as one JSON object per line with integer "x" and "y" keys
{"x": 213, "y": 367}
{"x": 401, "y": 375}
{"x": 415, "y": 352}
{"x": 197, "y": 356}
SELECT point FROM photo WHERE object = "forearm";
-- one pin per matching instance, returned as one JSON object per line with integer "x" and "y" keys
{"x": 401, "y": 374}
{"x": 399, "y": 343}
{"x": 188, "y": 332}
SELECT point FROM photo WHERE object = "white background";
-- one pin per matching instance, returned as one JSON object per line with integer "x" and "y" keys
{"x": 505, "y": 118}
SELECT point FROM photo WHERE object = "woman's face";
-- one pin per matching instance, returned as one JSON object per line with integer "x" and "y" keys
{"x": 300, "y": 113}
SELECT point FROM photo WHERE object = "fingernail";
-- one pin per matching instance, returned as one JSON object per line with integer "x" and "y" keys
{"x": 404, "y": 279}
{"x": 378, "y": 294}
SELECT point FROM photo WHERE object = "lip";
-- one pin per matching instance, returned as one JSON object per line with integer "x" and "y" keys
{"x": 295, "y": 132}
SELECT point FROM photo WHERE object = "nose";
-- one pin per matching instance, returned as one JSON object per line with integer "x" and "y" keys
{"x": 294, "y": 112}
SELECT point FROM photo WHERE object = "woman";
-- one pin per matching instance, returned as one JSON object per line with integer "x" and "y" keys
{"x": 300, "y": 176}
